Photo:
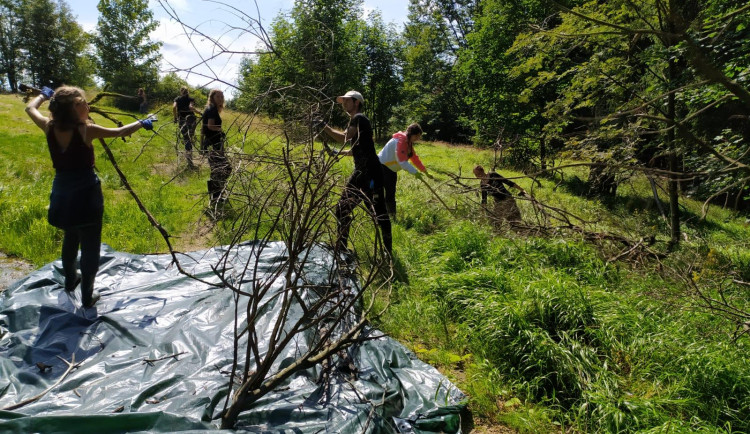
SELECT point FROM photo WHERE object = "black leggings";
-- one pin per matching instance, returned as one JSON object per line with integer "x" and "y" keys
{"x": 389, "y": 184}
{"x": 220, "y": 171}
{"x": 374, "y": 199}
{"x": 187, "y": 131}
{"x": 89, "y": 239}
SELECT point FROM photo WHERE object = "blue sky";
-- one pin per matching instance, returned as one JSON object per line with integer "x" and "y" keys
{"x": 216, "y": 19}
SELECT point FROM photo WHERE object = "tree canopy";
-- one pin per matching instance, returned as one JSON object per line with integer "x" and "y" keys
{"x": 41, "y": 42}
{"x": 127, "y": 59}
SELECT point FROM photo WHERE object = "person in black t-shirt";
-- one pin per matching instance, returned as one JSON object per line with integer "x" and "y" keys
{"x": 184, "y": 111}
{"x": 212, "y": 140}
{"x": 366, "y": 182}
{"x": 505, "y": 207}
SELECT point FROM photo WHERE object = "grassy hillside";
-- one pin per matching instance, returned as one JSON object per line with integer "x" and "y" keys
{"x": 544, "y": 331}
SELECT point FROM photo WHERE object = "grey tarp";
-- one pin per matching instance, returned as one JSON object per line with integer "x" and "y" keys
{"x": 150, "y": 311}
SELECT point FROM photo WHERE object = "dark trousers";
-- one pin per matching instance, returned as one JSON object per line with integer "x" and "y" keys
{"x": 187, "y": 131}
{"x": 354, "y": 193}
{"x": 389, "y": 184}
{"x": 220, "y": 171}
{"x": 89, "y": 239}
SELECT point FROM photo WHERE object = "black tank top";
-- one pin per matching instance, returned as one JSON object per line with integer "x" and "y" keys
{"x": 78, "y": 155}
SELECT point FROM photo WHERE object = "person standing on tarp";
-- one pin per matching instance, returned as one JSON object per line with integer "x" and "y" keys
{"x": 212, "y": 141}
{"x": 505, "y": 207}
{"x": 142, "y": 102}
{"x": 395, "y": 156}
{"x": 76, "y": 202}
{"x": 366, "y": 182}
{"x": 184, "y": 112}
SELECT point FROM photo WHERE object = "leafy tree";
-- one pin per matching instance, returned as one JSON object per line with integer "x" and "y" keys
{"x": 503, "y": 108}
{"x": 643, "y": 77}
{"x": 168, "y": 89}
{"x": 431, "y": 94}
{"x": 76, "y": 51}
{"x": 311, "y": 53}
{"x": 319, "y": 50}
{"x": 52, "y": 42}
{"x": 10, "y": 41}
{"x": 382, "y": 81}
{"x": 126, "y": 58}
{"x": 322, "y": 49}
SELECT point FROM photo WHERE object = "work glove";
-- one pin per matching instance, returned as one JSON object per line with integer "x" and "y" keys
{"x": 147, "y": 124}
{"x": 318, "y": 123}
{"x": 330, "y": 151}
{"x": 47, "y": 92}
{"x": 419, "y": 176}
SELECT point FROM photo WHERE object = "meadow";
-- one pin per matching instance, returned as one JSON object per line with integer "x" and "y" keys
{"x": 543, "y": 332}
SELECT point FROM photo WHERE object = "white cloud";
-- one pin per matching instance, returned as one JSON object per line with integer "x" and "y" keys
{"x": 200, "y": 55}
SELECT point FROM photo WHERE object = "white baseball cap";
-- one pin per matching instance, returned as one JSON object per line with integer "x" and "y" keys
{"x": 351, "y": 94}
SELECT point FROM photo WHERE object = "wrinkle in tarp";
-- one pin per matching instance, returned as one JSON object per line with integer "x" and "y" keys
{"x": 149, "y": 311}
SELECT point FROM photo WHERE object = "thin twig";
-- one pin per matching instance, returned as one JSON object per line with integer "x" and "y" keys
{"x": 71, "y": 365}
{"x": 151, "y": 362}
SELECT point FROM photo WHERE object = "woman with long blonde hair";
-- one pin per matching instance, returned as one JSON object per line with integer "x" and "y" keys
{"x": 76, "y": 202}
{"x": 213, "y": 139}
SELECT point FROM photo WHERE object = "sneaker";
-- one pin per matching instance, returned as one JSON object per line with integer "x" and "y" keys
{"x": 95, "y": 296}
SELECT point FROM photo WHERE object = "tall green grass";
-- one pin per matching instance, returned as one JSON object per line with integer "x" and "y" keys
{"x": 550, "y": 326}
{"x": 551, "y": 322}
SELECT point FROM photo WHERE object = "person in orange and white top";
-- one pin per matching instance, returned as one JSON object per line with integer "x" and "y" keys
{"x": 396, "y": 155}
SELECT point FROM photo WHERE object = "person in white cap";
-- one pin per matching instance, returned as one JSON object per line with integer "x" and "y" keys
{"x": 366, "y": 182}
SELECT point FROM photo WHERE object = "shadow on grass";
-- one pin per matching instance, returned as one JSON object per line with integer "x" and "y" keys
{"x": 399, "y": 270}
{"x": 647, "y": 206}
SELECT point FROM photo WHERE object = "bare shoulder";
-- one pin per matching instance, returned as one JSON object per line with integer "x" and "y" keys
{"x": 352, "y": 131}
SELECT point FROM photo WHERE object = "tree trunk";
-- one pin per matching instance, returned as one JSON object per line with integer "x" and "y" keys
{"x": 542, "y": 153}
{"x": 12, "y": 80}
{"x": 674, "y": 202}
{"x": 673, "y": 188}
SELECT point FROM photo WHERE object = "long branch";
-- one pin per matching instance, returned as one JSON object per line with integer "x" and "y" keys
{"x": 149, "y": 216}
{"x": 71, "y": 365}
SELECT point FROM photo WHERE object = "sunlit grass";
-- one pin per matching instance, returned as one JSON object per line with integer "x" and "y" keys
{"x": 543, "y": 334}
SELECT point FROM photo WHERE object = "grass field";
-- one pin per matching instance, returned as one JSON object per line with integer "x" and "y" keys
{"x": 544, "y": 334}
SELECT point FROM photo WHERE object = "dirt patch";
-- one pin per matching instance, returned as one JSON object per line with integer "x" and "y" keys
{"x": 12, "y": 269}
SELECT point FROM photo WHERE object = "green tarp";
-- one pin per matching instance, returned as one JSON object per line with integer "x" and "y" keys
{"x": 150, "y": 311}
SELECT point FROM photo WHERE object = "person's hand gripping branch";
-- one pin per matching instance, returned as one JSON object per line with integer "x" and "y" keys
{"x": 330, "y": 151}
{"x": 47, "y": 92}
{"x": 148, "y": 122}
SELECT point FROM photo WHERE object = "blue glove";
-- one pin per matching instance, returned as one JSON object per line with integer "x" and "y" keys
{"x": 47, "y": 92}
{"x": 147, "y": 124}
